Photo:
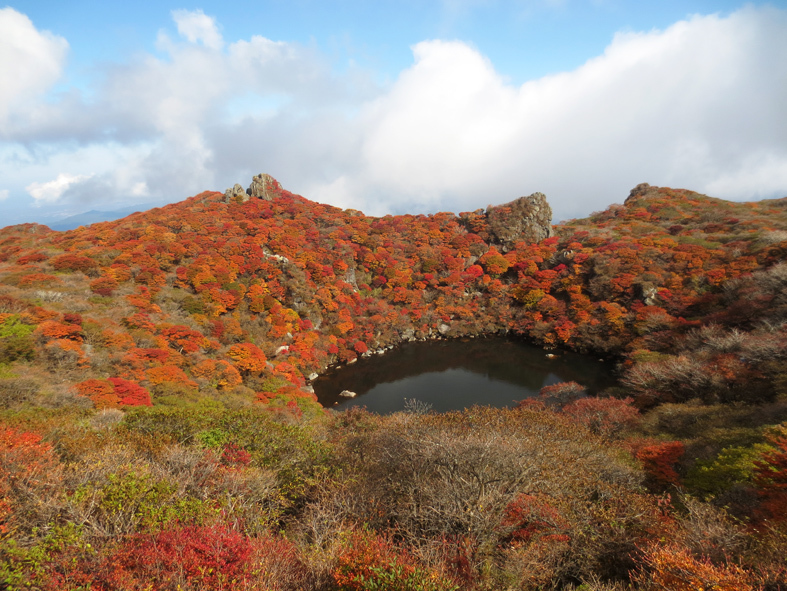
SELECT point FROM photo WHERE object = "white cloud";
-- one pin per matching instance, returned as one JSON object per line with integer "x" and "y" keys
{"x": 698, "y": 105}
{"x": 4, "y": 194}
{"x": 30, "y": 61}
{"x": 197, "y": 27}
{"x": 51, "y": 191}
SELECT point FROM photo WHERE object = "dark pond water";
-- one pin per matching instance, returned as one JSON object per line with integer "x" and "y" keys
{"x": 456, "y": 374}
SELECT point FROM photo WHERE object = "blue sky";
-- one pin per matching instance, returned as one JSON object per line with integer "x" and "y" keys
{"x": 389, "y": 107}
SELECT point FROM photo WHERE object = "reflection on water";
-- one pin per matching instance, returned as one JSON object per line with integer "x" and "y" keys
{"x": 456, "y": 374}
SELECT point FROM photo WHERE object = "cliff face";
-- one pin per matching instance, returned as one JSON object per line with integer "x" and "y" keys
{"x": 527, "y": 219}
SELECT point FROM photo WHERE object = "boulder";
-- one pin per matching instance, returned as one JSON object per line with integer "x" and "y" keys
{"x": 527, "y": 219}
{"x": 263, "y": 186}
{"x": 235, "y": 194}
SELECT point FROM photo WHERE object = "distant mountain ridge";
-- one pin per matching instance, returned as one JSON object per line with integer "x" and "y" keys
{"x": 94, "y": 216}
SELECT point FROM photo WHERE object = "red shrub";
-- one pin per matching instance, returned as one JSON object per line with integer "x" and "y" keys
{"x": 103, "y": 286}
{"x": 203, "y": 557}
{"x": 171, "y": 374}
{"x": 234, "y": 455}
{"x": 114, "y": 393}
{"x": 184, "y": 558}
{"x": 659, "y": 458}
{"x": 529, "y": 517}
{"x": 73, "y": 262}
{"x": 72, "y": 318}
{"x": 58, "y": 330}
{"x": 130, "y": 393}
{"x": 101, "y": 392}
{"x": 183, "y": 339}
{"x": 603, "y": 416}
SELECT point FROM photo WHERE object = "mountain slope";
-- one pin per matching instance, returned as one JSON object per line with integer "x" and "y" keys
{"x": 157, "y": 430}
{"x": 311, "y": 285}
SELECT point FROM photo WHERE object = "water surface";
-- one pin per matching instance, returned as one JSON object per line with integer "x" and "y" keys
{"x": 456, "y": 374}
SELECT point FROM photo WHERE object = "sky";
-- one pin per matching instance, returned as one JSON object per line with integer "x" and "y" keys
{"x": 389, "y": 107}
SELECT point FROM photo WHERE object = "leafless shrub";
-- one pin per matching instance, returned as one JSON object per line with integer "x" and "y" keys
{"x": 17, "y": 391}
{"x": 334, "y": 510}
{"x": 416, "y": 407}
{"x": 63, "y": 398}
{"x": 709, "y": 531}
{"x": 677, "y": 378}
{"x": 773, "y": 237}
{"x": 106, "y": 418}
{"x": 49, "y": 296}
{"x": 435, "y": 476}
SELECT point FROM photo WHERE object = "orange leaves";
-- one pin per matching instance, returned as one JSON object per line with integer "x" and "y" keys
{"x": 170, "y": 374}
{"x": 345, "y": 323}
{"x": 58, "y": 330}
{"x": 494, "y": 263}
{"x": 220, "y": 373}
{"x": 183, "y": 339}
{"x": 114, "y": 393}
{"x": 26, "y": 462}
{"x": 39, "y": 280}
{"x": 73, "y": 262}
{"x": 256, "y": 296}
{"x": 139, "y": 320}
{"x": 674, "y": 568}
{"x": 371, "y": 561}
{"x": 247, "y": 358}
{"x": 104, "y": 285}
{"x": 101, "y": 392}
{"x": 658, "y": 459}
{"x": 142, "y": 300}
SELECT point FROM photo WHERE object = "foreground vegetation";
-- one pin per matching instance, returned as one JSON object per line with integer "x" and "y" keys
{"x": 158, "y": 431}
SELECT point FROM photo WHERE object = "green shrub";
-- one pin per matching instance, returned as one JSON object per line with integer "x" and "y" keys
{"x": 732, "y": 466}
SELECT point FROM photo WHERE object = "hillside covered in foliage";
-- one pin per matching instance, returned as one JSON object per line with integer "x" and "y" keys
{"x": 158, "y": 426}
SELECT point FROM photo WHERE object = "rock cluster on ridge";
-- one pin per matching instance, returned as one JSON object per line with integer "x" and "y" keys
{"x": 527, "y": 219}
{"x": 263, "y": 186}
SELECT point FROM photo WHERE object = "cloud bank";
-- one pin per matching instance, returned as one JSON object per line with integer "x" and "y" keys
{"x": 699, "y": 105}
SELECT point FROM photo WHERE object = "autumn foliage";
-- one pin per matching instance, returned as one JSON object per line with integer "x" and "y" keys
{"x": 225, "y": 310}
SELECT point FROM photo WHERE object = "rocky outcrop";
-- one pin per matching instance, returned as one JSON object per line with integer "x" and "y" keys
{"x": 263, "y": 186}
{"x": 527, "y": 219}
{"x": 642, "y": 190}
{"x": 236, "y": 194}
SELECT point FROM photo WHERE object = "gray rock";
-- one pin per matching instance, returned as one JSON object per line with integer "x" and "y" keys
{"x": 527, "y": 219}
{"x": 640, "y": 190}
{"x": 235, "y": 194}
{"x": 347, "y": 394}
{"x": 443, "y": 329}
{"x": 650, "y": 295}
{"x": 263, "y": 186}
